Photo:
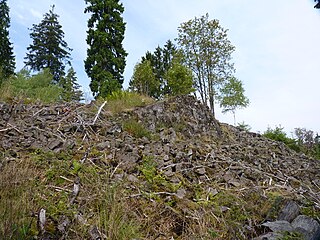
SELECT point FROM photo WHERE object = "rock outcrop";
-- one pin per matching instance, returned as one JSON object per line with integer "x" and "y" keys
{"x": 174, "y": 152}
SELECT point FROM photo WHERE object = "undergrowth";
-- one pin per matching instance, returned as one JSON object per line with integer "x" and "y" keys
{"x": 124, "y": 100}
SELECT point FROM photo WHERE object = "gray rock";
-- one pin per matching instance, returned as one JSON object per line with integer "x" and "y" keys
{"x": 181, "y": 193}
{"x": 279, "y": 226}
{"x": 102, "y": 146}
{"x": 309, "y": 227}
{"x": 201, "y": 171}
{"x": 269, "y": 236}
{"x": 132, "y": 178}
{"x": 54, "y": 143}
{"x": 289, "y": 212}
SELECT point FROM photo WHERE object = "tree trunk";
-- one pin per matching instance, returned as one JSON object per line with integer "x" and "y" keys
{"x": 211, "y": 103}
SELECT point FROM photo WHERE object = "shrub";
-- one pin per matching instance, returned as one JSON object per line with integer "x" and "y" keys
{"x": 123, "y": 100}
{"x": 136, "y": 129}
{"x": 278, "y": 134}
{"x": 38, "y": 87}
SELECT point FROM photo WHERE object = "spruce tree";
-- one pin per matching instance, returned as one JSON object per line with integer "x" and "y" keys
{"x": 71, "y": 89}
{"x": 105, "y": 60}
{"x": 48, "y": 49}
{"x": 7, "y": 60}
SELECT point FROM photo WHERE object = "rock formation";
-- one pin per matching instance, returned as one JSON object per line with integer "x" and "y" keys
{"x": 186, "y": 175}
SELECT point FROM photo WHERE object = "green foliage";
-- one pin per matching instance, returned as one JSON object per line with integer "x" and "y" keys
{"x": 156, "y": 181}
{"x": 7, "y": 59}
{"x": 31, "y": 88}
{"x": 48, "y": 49}
{"x": 113, "y": 217}
{"x": 71, "y": 89}
{"x": 244, "y": 126}
{"x": 207, "y": 53}
{"x": 144, "y": 81}
{"x": 136, "y": 129}
{"x": 161, "y": 60}
{"x": 105, "y": 60}
{"x": 303, "y": 140}
{"x": 119, "y": 101}
{"x": 232, "y": 96}
{"x": 308, "y": 141}
{"x": 179, "y": 79}
{"x": 278, "y": 134}
{"x": 162, "y": 73}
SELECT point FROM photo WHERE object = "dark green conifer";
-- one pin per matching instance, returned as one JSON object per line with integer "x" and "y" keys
{"x": 71, "y": 89}
{"x": 105, "y": 60}
{"x": 48, "y": 49}
{"x": 7, "y": 59}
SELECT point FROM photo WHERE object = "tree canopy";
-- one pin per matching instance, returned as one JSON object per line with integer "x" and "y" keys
{"x": 232, "y": 96}
{"x": 144, "y": 80}
{"x": 160, "y": 61}
{"x": 70, "y": 88}
{"x": 207, "y": 53}
{"x": 48, "y": 49}
{"x": 162, "y": 73}
{"x": 105, "y": 60}
{"x": 7, "y": 59}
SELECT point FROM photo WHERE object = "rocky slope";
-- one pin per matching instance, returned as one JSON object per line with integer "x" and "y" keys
{"x": 168, "y": 170}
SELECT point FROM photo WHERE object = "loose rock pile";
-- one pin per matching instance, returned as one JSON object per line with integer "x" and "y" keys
{"x": 186, "y": 143}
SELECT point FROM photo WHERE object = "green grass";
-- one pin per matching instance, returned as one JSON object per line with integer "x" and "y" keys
{"x": 136, "y": 129}
{"x": 124, "y": 100}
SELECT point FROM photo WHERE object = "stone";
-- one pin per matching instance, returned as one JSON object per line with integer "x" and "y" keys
{"x": 212, "y": 192}
{"x": 269, "y": 236}
{"x": 309, "y": 227}
{"x": 279, "y": 226}
{"x": 181, "y": 193}
{"x": 201, "y": 171}
{"x": 103, "y": 145}
{"x": 132, "y": 178}
{"x": 234, "y": 183}
{"x": 54, "y": 144}
{"x": 289, "y": 212}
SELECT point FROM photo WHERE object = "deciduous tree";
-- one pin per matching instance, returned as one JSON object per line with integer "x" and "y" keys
{"x": 105, "y": 60}
{"x": 48, "y": 49}
{"x": 207, "y": 52}
{"x": 7, "y": 59}
{"x": 144, "y": 80}
{"x": 161, "y": 60}
{"x": 178, "y": 78}
{"x": 232, "y": 97}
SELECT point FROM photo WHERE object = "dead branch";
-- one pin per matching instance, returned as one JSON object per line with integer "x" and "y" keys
{"x": 98, "y": 113}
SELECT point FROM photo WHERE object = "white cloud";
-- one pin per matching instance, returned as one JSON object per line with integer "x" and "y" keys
{"x": 35, "y": 13}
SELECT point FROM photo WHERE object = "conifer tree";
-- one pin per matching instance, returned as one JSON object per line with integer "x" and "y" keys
{"x": 105, "y": 60}
{"x": 48, "y": 49}
{"x": 71, "y": 89}
{"x": 7, "y": 60}
{"x": 161, "y": 61}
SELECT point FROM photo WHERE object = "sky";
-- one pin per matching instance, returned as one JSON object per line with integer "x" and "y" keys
{"x": 277, "y": 48}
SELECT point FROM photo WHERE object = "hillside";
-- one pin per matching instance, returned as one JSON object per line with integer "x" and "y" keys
{"x": 166, "y": 170}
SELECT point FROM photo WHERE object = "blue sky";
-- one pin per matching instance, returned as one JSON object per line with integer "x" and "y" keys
{"x": 276, "y": 55}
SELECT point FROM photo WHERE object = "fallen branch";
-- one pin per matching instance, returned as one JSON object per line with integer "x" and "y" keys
{"x": 59, "y": 189}
{"x": 98, "y": 113}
